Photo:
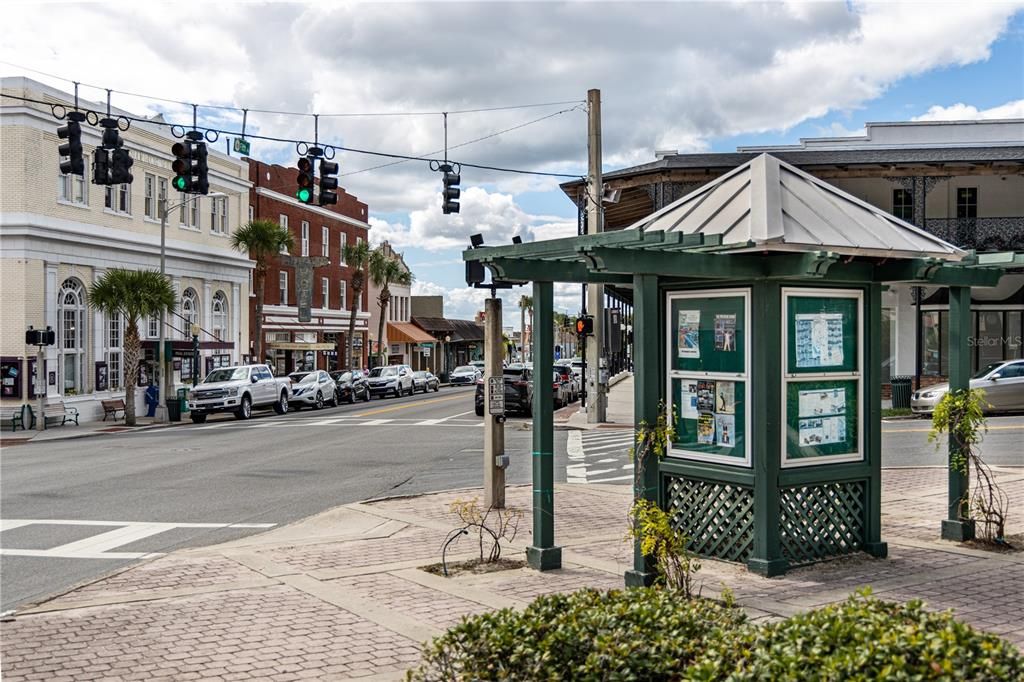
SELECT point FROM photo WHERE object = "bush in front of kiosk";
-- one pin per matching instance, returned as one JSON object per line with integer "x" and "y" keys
{"x": 652, "y": 634}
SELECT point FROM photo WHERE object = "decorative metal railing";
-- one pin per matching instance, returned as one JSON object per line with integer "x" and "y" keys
{"x": 981, "y": 234}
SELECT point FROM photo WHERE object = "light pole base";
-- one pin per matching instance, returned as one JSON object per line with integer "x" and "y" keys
{"x": 161, "y": 414}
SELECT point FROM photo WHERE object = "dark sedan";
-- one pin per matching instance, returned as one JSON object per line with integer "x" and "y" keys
{"x": 352, "y": 385}
{"x": 518, "y": 391}
{"x": 425, "y": 381}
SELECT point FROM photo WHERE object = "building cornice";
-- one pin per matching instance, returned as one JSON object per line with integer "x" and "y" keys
{"x": 291, "y": 201}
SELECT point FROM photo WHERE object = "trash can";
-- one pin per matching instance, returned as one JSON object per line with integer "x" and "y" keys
{"x": 901, "y": 392}
{"x": 173, "y": 410}
{"x": 183, "y": 399}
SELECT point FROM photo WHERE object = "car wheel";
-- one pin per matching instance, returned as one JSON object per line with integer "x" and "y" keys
{"x": 281, "y": 406}
{"x": 337, "y": 399}
{"x": 244, "y": 410}
{"x": 198, "y": 418}
{"x": 318, "y": 403}
{"x": 529, "y": 409}
{"x": 351, "y": 396}
{"x": 367, "y": 396}
{"x": 437, "y": 387}
{"x": 479, "y": 410}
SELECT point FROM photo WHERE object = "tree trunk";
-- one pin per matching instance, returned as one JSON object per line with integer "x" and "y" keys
{"x": 385, "y": 296}
{"x": 350, "y": 342}
{"x": 131, "y": 363}
{"x": 260, "y": 280}
{"x": 522, "y": 332}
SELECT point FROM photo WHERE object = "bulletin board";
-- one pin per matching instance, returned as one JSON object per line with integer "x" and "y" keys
{"x": 708, "y": 363}
{"x": 10, "y": 377}
{"x": 822, "y": 333}
{"x": 821, "y": 418}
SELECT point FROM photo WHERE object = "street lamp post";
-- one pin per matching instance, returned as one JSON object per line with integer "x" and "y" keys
{"x": 161, "y": 407}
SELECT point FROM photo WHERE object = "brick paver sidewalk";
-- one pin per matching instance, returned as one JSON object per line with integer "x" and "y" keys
{"x": 341, "y": 595}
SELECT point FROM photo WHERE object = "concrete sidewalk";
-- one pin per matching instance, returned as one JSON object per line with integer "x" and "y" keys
{"x": 83, "y": 430}
{"x": 619, "y": 413}
{"x": 341, "y": 595}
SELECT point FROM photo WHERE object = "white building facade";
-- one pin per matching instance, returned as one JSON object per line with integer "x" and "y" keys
{"x": 60, "y": 233}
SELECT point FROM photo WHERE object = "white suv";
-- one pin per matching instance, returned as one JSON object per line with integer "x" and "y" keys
{"x": 395, "y": 380}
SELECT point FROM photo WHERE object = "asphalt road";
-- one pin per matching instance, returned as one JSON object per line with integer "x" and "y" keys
{"x": 905, "y": 443}
{"x": 269, "y": 470}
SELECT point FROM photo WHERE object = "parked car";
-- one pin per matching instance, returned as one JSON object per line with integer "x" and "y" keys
{"x": 391, "y": 379}
{"x": 239, "y": 389}
{"x": 518, "y": 391}
{"x": 574, "y": 384}
{"x": 313, "y": 389}
{"x": 351, "y": 384}
{"x": 481, "y": 365}
{"x": 465, "y": 375}
{"x": 561, "y": 386}
{"x": 1002, "y": 382}
{"x": 425, "y": 381}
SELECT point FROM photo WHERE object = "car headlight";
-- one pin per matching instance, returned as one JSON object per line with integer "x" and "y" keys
{"x": 392, "y": 382}
{"x": 191, "y": 395}
{"x": 300, "y": 391}
{"x": 232, "y": 392}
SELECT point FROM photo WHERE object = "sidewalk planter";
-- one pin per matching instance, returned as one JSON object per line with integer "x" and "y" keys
{"x": 757, "y": 319}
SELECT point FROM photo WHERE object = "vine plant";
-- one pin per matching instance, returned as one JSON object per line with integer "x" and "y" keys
{"x": 961, "y": 415}
{"x": 648, "y": 523}
{"x": 491, "y": 525}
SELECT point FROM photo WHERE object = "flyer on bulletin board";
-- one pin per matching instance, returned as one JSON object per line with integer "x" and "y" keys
{"x": 689, "y": 333}
{"x": 822, "y": 430}
{"x": 822, "y": 401}
{"x": 706, "y": 396}
{"x": 819, "y": 340}
{"x": 688, "y": 401}
{"x": 725, "y": 427}
{"x": 725, "y": 333}
{"x": 725, "y": 397}
{"x": 706, "y": 429}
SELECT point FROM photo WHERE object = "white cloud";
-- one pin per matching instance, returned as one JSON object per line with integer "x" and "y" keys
{"x": 462, "y": 303}
{"x": 967, "y": 112}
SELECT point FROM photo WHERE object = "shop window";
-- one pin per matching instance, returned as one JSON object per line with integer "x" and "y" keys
{"x": 967, "y": 202}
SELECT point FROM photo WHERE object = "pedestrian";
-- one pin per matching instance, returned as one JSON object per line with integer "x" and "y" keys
{"x": 152, "y": 399}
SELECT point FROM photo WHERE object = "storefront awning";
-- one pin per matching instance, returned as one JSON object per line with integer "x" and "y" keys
{"x": 293, "y": 345}
{"x": 405, "y": 332}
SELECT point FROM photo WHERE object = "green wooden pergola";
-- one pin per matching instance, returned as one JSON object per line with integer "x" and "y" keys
{"x": 757, "y": 303}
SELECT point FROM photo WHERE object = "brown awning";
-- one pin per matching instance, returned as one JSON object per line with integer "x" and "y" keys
{"x": 406, "y": 332}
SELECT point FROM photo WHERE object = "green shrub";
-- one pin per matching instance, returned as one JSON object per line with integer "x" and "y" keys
{"x": 634, "y": 634}
{"x": 862, "y": 639}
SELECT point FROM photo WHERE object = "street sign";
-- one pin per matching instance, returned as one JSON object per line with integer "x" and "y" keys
{"x": 496, "y": 395}
{"x": 241, "y": 146}
{"x": 425, "y": 351}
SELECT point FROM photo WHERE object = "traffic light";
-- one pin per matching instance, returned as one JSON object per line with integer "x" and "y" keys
{"x": 305, "y": 191}
{"x": 200, "y": 170}
{"x": 584, "y": 325}
{"x": 182, "y": 166}
{"x": 120, "y": 167}
{"x": 72, "y": 149}
{"x": 328, "y": 183}
{"x": 451, "y": 192}
{"x": 101, "y": 167}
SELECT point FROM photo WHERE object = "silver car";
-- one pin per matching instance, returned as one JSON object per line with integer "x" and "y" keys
{"x": 1002, "y": 382}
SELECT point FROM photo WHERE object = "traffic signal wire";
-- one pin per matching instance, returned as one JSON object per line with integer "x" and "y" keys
{"x": 401, "y": 157}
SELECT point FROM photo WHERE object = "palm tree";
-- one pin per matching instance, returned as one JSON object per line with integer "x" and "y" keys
{"x": 386, "y": 270}
{"x": 357, "y": 256}
{"x": 524, "y": 303}
{"x": 135, "y": 295}
{"x": 262, "y": 239}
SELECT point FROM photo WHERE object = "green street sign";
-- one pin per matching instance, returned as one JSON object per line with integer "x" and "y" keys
{"x": 241, "y": 146}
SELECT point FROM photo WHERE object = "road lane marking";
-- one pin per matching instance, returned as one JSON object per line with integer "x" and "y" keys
{"x": 417, "y": 403}
{"x": 991, "y": 428}
{"x": 374, "y": 422}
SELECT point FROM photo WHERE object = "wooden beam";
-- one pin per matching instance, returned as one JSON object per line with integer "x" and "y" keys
{"x": 510, "y": 269}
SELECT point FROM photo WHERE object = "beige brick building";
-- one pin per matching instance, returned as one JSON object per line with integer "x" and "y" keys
{"x": 58, "y": 234}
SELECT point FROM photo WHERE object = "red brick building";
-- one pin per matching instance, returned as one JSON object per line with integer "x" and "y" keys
{"x": 318, "y": 231}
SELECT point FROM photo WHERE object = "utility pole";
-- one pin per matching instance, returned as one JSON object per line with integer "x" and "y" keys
{"x": 596, "y": 395}
{"x": 495, "y": 459}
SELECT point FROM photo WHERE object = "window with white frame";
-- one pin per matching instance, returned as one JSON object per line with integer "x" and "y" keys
{"x": 223, "y": 215}
{"x": 342, "y": 293}
{"x": 214, "y": 215}
{"x": 183, "y": 214}
{"x": 149, "y": 188}
{"x": 153, "y": 330}
{"x": 305, "y": 238}
{"x": 194, "y": 210}
{"x": 73, "y": 189}
{"x": 72, "y": 341}
{"x": 161, "y": 195}
{"x": 283, "y": 287}
{"x": 189, "y": 311}
{"x": 283, "y": 222}
{"x": 115, "y": 351}
{"x": 219, "y": 316}
{"x": 325, "y": 242}
{"x": 118, "y": 198}
{"x": 325, "y": 291}
{"x": 342, "y": 241}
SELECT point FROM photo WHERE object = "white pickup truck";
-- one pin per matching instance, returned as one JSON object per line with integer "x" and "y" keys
{"x": 239, "y": 389}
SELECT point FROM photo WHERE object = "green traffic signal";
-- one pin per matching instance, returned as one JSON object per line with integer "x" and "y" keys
{"x": 304, "y": 195}
{"x": 180, "y": 183}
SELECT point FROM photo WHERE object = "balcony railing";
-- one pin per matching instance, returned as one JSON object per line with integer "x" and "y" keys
{"x": 981, "y": 234}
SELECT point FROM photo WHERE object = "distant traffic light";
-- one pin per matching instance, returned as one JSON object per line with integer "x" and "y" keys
{"x": 451, "y": 192}
{"x": 120, "y": 167}
{"x": 182, "y": 166}
{"x": 305, "y": 180}
{"x": 101, "y": 167}
{"x": 584, "y": 325}
{"x": 328, "y": 183}
{"x": 72, "y": 149}
{"x": 200, "y": 170}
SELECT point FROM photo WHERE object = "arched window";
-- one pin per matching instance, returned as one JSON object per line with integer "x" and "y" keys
{"x": 72, "y": 341}
{"x": 189, "y": 311}
{"x": 219, "y": 312}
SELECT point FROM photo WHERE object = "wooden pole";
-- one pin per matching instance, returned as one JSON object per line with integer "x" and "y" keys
{"x": 494, "y": 430}
{"x": 597, "y": 401}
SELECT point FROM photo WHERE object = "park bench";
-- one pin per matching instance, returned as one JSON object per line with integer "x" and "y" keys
{"x": 110, "y": 408}
{"x": 59, "y": 411}
{"x": 21, "y": 415}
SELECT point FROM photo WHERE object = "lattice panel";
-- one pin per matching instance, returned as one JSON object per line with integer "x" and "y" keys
{"x": 717, "y": 517}
{"x": 823, "y": 520}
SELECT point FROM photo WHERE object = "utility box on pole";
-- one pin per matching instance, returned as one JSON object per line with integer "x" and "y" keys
{"x": 494, "y": 424}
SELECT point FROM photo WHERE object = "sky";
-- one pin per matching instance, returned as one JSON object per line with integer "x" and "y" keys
{"x": 693, "y": 77}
